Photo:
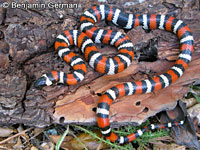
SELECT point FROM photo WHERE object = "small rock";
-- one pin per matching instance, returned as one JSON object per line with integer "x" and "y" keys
{"x": 48, "y": 146}
{"x": 5, "y": 132}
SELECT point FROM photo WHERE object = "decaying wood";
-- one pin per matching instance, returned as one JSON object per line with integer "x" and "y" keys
{"x": 129, "y": 109}
{"x": 26, "y": 52}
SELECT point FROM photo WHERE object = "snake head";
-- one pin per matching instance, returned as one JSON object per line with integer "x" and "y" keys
{"x": 41, "y": 82}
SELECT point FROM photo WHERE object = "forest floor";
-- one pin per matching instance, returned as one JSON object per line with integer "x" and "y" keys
{"x": 33, "y": 118}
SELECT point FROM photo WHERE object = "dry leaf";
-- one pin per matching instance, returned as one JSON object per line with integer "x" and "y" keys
{"x": 34, "y": 148}
{"x": 90, "y": 142}
{"x": 195, "y": 112}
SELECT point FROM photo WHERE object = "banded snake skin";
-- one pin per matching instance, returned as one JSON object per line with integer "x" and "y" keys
{"x": 112, "y": 65}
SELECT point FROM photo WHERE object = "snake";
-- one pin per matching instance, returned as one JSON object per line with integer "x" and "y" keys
{"x": 85, "y": 40}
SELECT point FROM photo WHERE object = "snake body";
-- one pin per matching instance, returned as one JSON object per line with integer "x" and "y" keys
{"x": 84, "y": 40}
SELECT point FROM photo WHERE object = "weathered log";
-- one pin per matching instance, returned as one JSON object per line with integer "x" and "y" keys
{"x": 26, "y": 52}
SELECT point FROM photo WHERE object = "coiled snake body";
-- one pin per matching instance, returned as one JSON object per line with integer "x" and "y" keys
{"x": 84, "y": 40}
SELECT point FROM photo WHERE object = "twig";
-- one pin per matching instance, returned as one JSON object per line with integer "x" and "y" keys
{"x": 16, "y": 135}
{"x": 100, "y": 146}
